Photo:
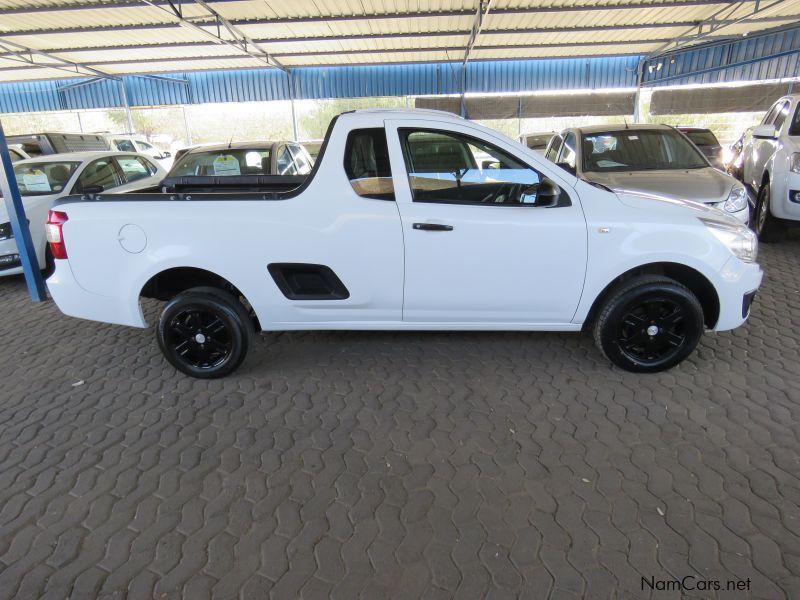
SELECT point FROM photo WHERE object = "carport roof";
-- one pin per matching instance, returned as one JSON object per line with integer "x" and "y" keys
{"x": 44, "y": 39}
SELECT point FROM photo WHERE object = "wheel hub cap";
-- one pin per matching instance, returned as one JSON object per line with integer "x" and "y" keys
{"x": 200, "y": 338}
{"x": 652, "y": 330}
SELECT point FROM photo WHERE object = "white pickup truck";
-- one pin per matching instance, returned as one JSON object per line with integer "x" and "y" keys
{"x": 410, "y": 220}
{"x": 771, "y": 168}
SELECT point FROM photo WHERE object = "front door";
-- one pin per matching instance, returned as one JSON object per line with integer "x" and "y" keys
{"x": 488, "y": 238}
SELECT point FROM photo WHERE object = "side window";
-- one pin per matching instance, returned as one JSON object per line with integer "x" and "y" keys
{"x": 100, "y": 172}
{"x": 780, "y": 118}
{"x": 125, "y": 146}
{"x": 567, "y": 154}
{"x": 286, "y": 165}
{"x": 133, "y": 168}
{"x": 770, "y": 116}
{"x": 303, "y": 166}
{"x": 554, "y": 148}
{"x": 452, "y": 168}
{"x": 366, "y": 163}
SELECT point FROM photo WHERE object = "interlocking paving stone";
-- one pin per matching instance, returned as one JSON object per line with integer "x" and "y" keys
{"x": 418, "y": 465}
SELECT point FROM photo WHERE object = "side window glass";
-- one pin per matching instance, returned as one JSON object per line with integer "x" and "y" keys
{"x": 133, "y": 168}
{"x": 366, "y": 163}
{"x": 303, "y": 166}
{"x": 124, "y": 145}
{"x": 780, "y": 118}
{"x": 286, "y": 165}
{"x": 567, "y": 154}
{"x": 100, "y": 172}
{"x": 553, "y": 150}
{"x": 770, "y": 116}
{"x": 452, "y": 168}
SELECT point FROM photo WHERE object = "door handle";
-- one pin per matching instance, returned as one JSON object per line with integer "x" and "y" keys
{"x": 432, "y": 227}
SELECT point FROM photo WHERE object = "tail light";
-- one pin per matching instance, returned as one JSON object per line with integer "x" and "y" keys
{"x": 55, "y": 235}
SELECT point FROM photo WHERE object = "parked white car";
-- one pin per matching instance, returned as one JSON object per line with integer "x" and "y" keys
{"x": 771, "y": 168}
{"x": 45, "y": 179}
{"x": 136, "y": 143}
{"x": 655, "y": 160}
{"x": 400, "y": 227}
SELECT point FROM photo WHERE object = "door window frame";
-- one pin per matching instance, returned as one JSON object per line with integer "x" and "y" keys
{"x": 564, "y": 201}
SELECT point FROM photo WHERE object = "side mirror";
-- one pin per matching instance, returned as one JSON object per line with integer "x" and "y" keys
{"x": 92, "y": 189}
{"x": 567, "y": 167}
{"x": 545, "y": 194}
{"x": 166, "y": 154}
{"x": 490, "y": 164}
{"x": 765, "y": 132}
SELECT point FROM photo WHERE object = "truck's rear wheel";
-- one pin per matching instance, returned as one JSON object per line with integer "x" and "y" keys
{"x": 649, "y": 324}
{"x": 768, "y": 228}
{"x": 204, "y": 332}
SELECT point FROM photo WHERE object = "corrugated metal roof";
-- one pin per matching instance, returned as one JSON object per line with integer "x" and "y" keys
{"x": 766, "y": 56}
{"x": 132, "y": 36}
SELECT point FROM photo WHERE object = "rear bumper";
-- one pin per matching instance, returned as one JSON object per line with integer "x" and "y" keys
{"x": 75, "y": 301}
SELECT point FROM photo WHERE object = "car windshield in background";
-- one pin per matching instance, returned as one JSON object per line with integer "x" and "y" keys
{"x": 538, "y": 142}
{"x": 38, "y": 179}
{"x": 702, "y": 138}
{"x": 639, "y": 150}
{"x": 227, "y": 162}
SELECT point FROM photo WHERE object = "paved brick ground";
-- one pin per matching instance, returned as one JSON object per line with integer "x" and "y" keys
{"x": 397, "y": 465}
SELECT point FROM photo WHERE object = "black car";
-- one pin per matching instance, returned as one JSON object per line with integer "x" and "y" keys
{"x": 706, "y": 142}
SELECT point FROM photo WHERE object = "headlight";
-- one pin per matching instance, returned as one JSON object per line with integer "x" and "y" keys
{"x": 794, "y": 162}
{"x": 737, "y": 200}
{"x": 737, "y": 238}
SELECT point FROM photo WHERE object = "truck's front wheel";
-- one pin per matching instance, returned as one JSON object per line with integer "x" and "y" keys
{"x": 649, "y": 324}
{"x": 204, "y": 332}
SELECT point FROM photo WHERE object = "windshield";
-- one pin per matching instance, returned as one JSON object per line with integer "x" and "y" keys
{"x": 41, "y": 178}
{"x": 639, "y": 150}
{"x": 702, "y": 138}
{"x": 226, "y": 162}
{"x": 538, "y": 142}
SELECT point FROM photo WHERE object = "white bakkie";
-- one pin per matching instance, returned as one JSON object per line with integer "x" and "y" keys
{"x": 771, "y": 168}
{"x": 413, "y": 220}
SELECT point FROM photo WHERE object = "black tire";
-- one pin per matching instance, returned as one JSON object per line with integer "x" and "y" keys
{"x": 205, "y": 332}
{"x": 767, "y": 226}
{"x": 624, "y": 330}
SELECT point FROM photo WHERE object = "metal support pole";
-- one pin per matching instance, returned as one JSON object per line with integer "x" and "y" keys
{"x": 80, "y": 122}
{"x": 290, "y": 86}
{"x": 637, "y": 96}
{"x": 124, "y": 95}
{"x": 186, "y": 127}
{"x": 294, "y": 122}
{"x": 19, "y": 223}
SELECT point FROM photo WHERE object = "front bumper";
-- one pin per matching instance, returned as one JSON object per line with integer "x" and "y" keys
{"x": 736, "y": 289}
{"x": 9, "y": 258}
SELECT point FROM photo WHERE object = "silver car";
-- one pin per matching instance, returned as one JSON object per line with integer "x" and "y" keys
{"x": 655, "y": 160}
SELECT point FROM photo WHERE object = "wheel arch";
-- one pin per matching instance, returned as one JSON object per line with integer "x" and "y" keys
{"x": 167, "y": 283}
{"x": 693, "y": 279}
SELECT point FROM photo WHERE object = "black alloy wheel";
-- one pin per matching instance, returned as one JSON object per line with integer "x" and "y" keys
{"x": 649, "y": 324}
{"x": 204, "y": 332}
{"x": 651, "y": 330}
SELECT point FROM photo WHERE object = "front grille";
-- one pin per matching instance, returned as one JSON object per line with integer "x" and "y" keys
{"x": 747, "y": 302}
